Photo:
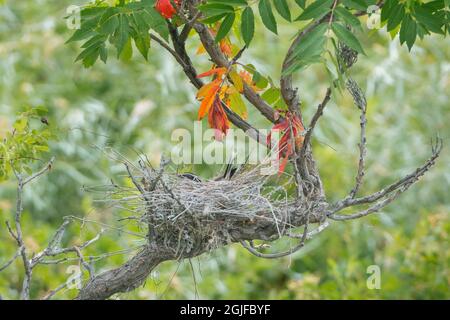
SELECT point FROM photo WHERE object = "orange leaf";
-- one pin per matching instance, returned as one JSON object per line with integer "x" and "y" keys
{"x": 225, "y": 47}
{"x": 215, "y": 71}
{"x": 208, "y": 100}
{"x": 205, "y": 90}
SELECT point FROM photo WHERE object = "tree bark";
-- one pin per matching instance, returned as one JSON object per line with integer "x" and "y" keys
{"x": 133, "y": 273}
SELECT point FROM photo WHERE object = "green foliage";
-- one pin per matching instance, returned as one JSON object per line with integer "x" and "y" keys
{"x": 117, "y": 25}
{"x": 25, "y": 143}
{"x": 415, "y": 18}
{"x": 225, "y": 26}
{"x": 330, "y": 22}
{"x": 309, "y": 50}
{"x": 266, "y": 13}
{"x": 347, "y": 37}
{"x": 248, "y": 25}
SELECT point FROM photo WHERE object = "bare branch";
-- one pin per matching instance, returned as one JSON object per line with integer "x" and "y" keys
{"x": 400, "y": 186}
{"x": 52, "y": 293}
{"x": 314, "y": 121}
{"x": 277, "y": 255}
{"x": 11, "y": 232}
{"x": 10, "y": 261}
{"x": 361, "y": 103}
{"x": 47, "y": 167}
{"x": 83, "y": 262}
{"x": 375, "y": 208}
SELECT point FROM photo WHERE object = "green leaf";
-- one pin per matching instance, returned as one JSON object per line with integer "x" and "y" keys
{"x": 248, "y": 25}
{"x": 283, "y": 9}
{"x": 316, "y": 10}
{"x": 347, "y": 37}
{"x": 268, "y": 19}
{"x": 388, "y": 7}
{"x": 302, "y": 63}
{"x": 426, "y": 17}
{"x": 396, "y": 16}
{"x": 272, "y": 95}
{"x": 225, "y": 26}
{"x": 81, "y": 34}
{"x": 347, "y": 17}
{"x": 20, "y": 124}
{"x": 238, "y": 104}
{"x": 103, "y": 54}
{"x": 312, "y": 43}
{"x": 109, "y": 21}
{"x": 89, "y": 55}
{"x": 213, "y": 9}
{"x": 408, "y": 32}
{"x": 127, "y": 52}
{"x": 356, "y": 4}
{"x": 301, "y": 3}
{"x": 231, "y": 2}
{"x": 90, "y": 18}
{"x": 309, "y": 50}
{"x": 214, "y": 19}
{"x": 156, "y": 22}
{"x": 98, "y": 39}
{"x": 40, "y": 111}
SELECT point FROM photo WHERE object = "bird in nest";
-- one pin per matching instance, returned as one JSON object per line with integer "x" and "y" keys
{"x": 230, "y": 171}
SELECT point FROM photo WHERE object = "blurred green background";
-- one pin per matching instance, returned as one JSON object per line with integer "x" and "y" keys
{"x": 134, "y": 107}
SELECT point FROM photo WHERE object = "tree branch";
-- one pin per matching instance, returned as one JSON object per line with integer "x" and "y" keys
{"x": 397, "y": 187}
{"x": 361, "y": 103}
{"x": 133, "y": 273}
{"x": 10, "y": 261}
{"x": 184, "y": 60}
{"x": 314, "y": 121}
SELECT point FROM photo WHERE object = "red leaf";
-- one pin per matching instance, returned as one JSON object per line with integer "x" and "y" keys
{"x": 290, "y": 127}
{"x": 218, "y": 120}
{"x": 165, "y": 8}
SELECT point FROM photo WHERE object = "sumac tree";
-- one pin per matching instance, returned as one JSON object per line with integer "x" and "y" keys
{"x": 330, "y": 33}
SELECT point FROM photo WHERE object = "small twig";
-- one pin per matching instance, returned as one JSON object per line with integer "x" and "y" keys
{"x": 361, "y": 103}
{"x": 133, "y": 179}
{"x": 312, "y": 233}
{"x": 169, "y": 49}
{"x": 375, "y": 208}
{"x": 272, "y": 255}
{"x": 10, "y": 261}
{"x": 11, "y": 232}
{"x": 314, "y": 121}
{"x": 47, "y": 167}
{"x": 83, "y": 262}
{"x": 194, "y": 278}
{"x": 50, "y": 295}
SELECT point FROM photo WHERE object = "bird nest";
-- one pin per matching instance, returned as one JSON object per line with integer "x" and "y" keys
{"x": 186, "y": 216}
